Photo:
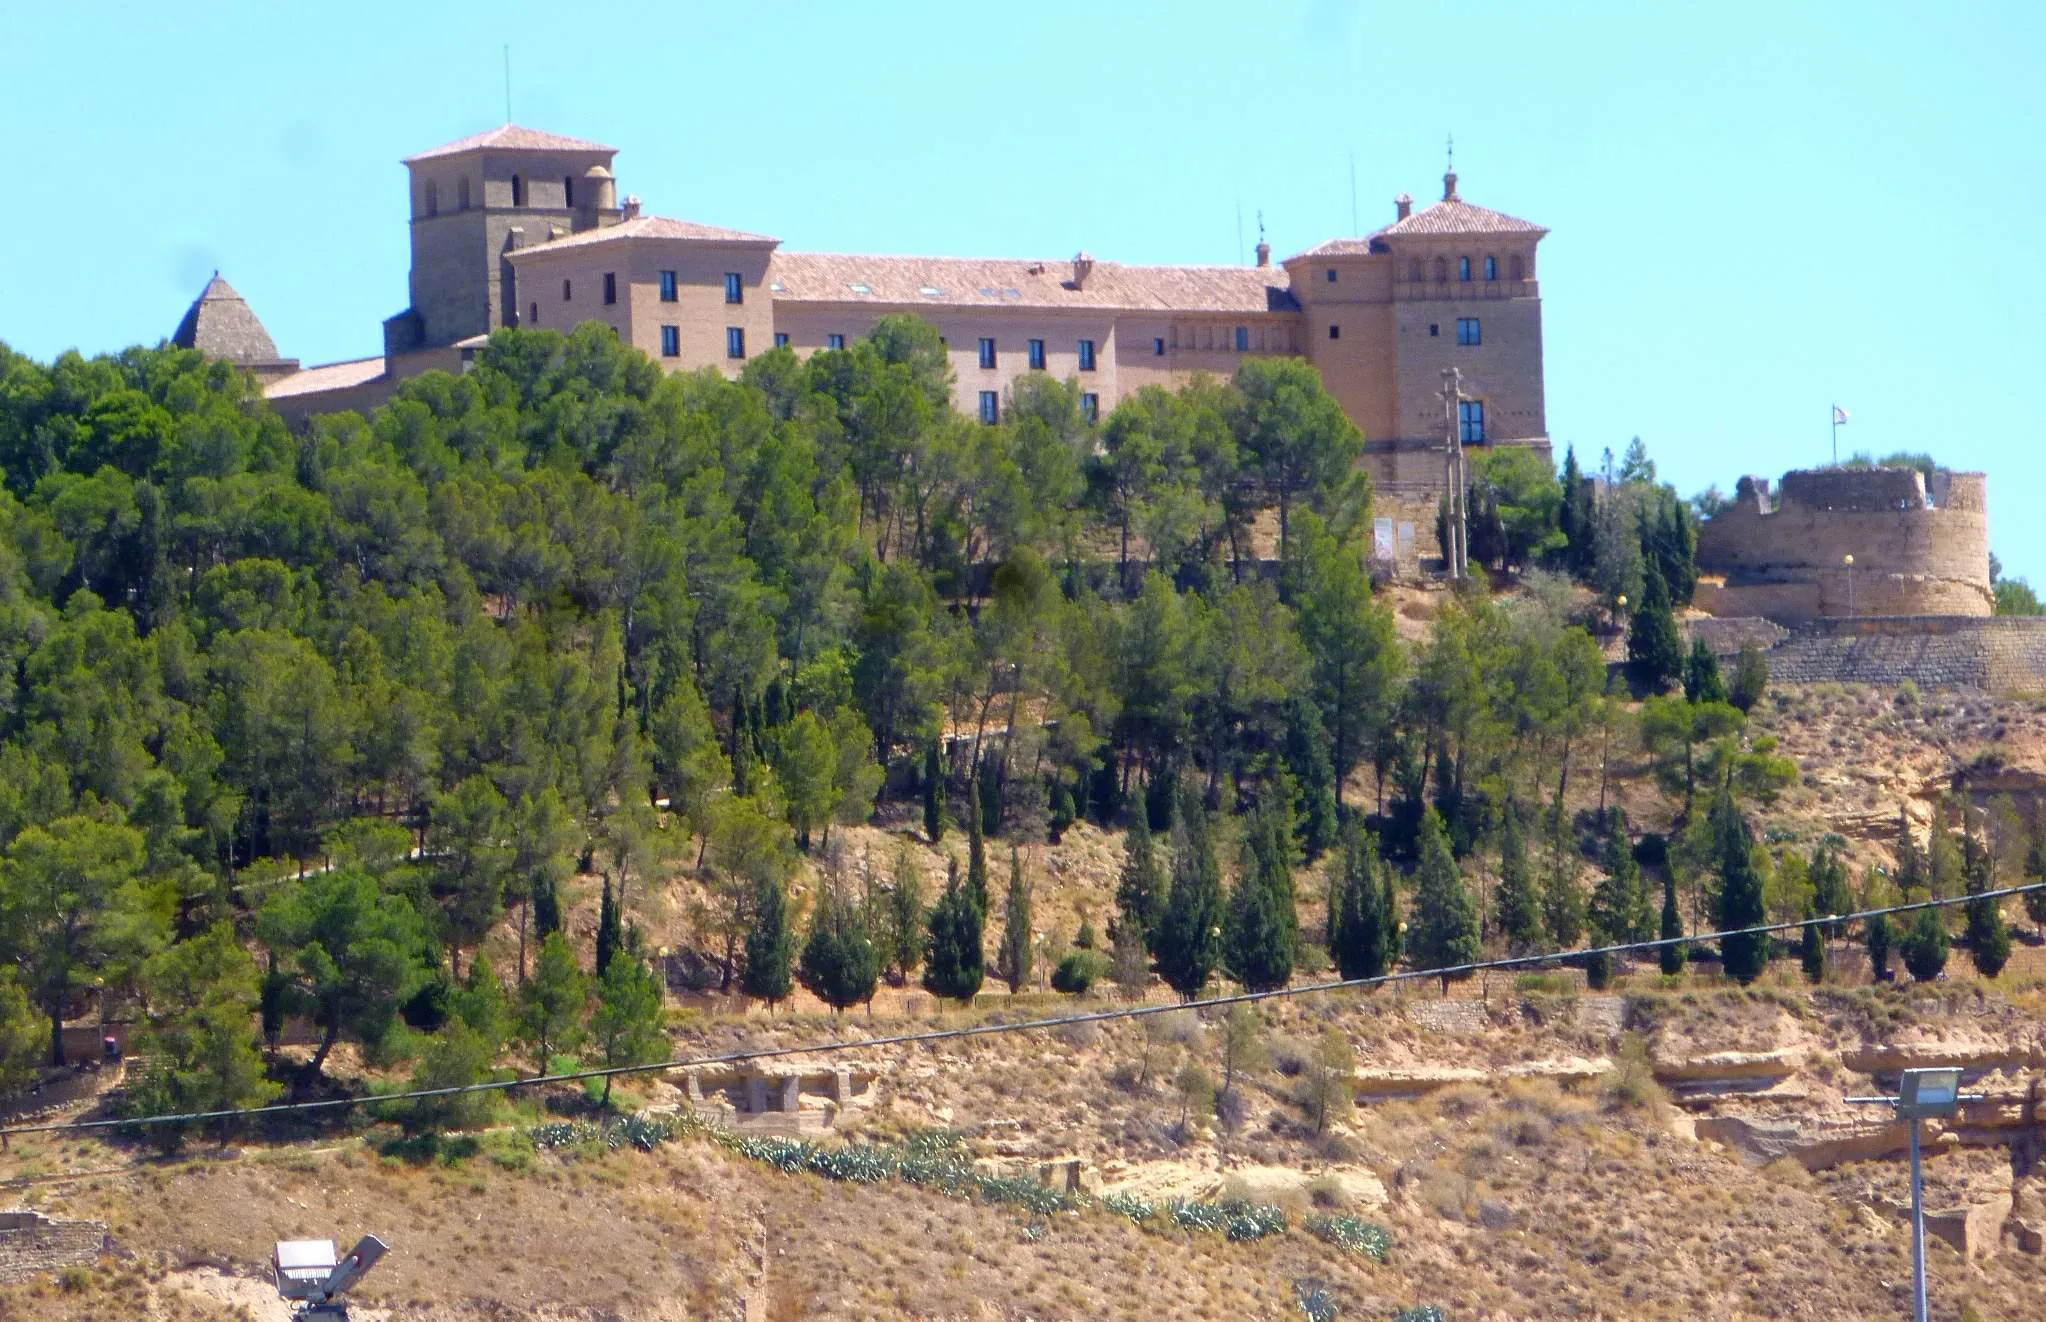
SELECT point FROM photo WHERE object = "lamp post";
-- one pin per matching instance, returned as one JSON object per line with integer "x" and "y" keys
{"x": 1619, "y": 609}
{"x": 1921, "y": 1094}
{"x": 1848, "y": 561}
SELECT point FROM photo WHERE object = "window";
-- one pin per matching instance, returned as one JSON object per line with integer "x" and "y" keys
{"x": 518, "y": 191}
{"x": 1037, "y": 355}
{"x": 610, "y": 287}
{"x": 1332, "y": 275}
{"x": 1243, "y": 339}
{"x": 735, "y": 288}
{"x": 987, "y": 351}
{"x": 565, "y": 291}
{"x": 1491, "y": 268}
{"x": 1090, "y": 407}
{"x": 432, "y": 198}
{"x": 781, "y": 339}
{"x": 671, "y": 341}
{"x": 834, "y": 341}
{"x": 568, "y": 190}
{"x": 1514, "y": 268}
{"x": 1433, "y": 330}
{"x": 1335, "y": 332}
{"x": 1467, "y": 331}
{"x": 668, "y": 294}
{"x": 735, "y": 342}
{"x": 1470, "y": 421}
{"x": 1158, "y": 347}
{"x": 462, "y": 192}
{"x": 535, "y": 310}
{"x": 1441, "y": 270}
{"x": 990, "y": 407}
{"x": 1414, "y": 270}
{"x": 1086, "y": 355}
{"x": 1463, "y": 268}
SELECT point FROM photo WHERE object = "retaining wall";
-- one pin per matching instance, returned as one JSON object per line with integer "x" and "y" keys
{"x": 32, "y": 1245}
{"x": 2000, "y": 653}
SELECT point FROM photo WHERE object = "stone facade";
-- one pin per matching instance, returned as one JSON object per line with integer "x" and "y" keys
{"x": 516, "y": 227}
{"x": 32, "y": 1245}
{"x": 1916, "y": 550}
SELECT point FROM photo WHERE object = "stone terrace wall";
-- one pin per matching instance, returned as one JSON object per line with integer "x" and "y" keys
{"x": 1911, "y": 556}
{"x": 32, "y": 1244}
{"x": 2002, "y": 654}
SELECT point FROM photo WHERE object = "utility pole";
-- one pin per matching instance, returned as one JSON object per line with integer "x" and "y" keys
{"x": 1456, "y": 480}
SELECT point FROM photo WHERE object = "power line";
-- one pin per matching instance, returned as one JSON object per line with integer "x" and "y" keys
{"x": 1024, "y": 1026}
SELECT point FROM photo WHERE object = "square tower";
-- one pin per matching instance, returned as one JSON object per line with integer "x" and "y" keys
{"x": 474, "y": 201}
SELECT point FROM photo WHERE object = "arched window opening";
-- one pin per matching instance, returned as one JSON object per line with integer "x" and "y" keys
{"x": 535, "y": 318}
{"x": 568, "y": 190}
{"x": 1414, "y": 270}
{"x": 518, "y": 191}
{"x": 1463, "y": 268}
{"x": 1441, "y": 270}
{"x": 565, "y": 291}
{"x": 1514, "y": 268}
{"x": 432, "y": 198}
{"x": 462, "y": 193}
{"x": 1491, "y": 268}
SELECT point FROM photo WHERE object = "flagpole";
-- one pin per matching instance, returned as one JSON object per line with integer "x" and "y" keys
{"x": 1833, "y": 413}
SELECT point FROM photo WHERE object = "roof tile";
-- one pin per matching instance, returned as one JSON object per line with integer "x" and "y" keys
{"x": 799, "y": 277}
{"x": 645, "y": 227}
{"x": 509, "y": 137}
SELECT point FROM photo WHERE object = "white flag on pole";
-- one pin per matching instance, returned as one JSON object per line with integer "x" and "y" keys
{"x": 1839, "y": 415}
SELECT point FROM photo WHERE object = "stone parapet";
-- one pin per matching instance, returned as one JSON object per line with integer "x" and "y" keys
{"x": 32, "y": 1244}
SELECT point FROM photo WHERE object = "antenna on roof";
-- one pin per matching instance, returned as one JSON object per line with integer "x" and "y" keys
{"x": 507, "y": 82}
{"x": 1356, "y": 226}
{"x": 1450, "y": 167}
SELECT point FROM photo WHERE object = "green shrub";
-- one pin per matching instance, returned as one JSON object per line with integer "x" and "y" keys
{"x": 1079, "y": 971}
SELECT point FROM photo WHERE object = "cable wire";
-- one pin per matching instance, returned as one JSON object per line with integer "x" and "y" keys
{"x": 1450, "y": 972}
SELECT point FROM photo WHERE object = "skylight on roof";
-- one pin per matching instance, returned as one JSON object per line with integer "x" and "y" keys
{"x": 778, "y": 287}
{"x": 860, "y": 288}
{"x": 930, "y": 291}
{"x": 1011, "y": 293}
{"x": 985, "y": 293}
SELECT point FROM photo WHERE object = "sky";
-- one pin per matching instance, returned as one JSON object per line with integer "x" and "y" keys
{"x": 1756, "y": 210}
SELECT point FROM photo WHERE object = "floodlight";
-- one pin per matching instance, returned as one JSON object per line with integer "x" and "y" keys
{"x": 309, "y": 1273}
{"x": 1928, "y": 1093}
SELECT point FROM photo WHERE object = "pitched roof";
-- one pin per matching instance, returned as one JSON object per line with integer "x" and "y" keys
{"x": 327, "y": 376}
{"x": 801, "y": 277}
{"x": 1456, "y": 216}
{"x": 509, "y": 137}
{"x": 645, "y": 227}
{"x": 220, "y": 324}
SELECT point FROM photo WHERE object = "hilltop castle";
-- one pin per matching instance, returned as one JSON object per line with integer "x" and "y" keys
{"x": 515, "y": 227}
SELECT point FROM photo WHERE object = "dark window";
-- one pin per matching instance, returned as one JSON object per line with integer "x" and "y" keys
{"x": 1090, "y": 407}
{"x": 1332, "y": 275}
{"x": 1335, "y": 332}
{"x": 432, "y": 198}
{"x": 735, "y": 288}
{"x": 1433, "y": 330}
{"x": 1158, "y": 347}
{"x": 735, "y": 342}
{"x": 1086, "y": 355}
{"x": 834, "y": 341}
{"x": 990, "y": 407}
{"x": 1037, "y": 355}
{"x": 1414, "y": 270}
{"x": 518, "y": 191}
{"x": 566, "y": 293}
{"x": 668, "y": 294}
{"x": 781, "y": 339}
{"x": 1463, "y": 268}
{"x": 1441, "y": 270}
{"x": 987, "y": 351}
{"x": 462, "y": 192}
{"x": 610, "y": 287}
{"x": 1470, "y": 421}
{"x": 1491, "y": 268}
{"x": 568, "y": 190}
{"x": 1467, "y": 331}
{"x": 1514, "y": 268}
{"x": 535, "y": 310}
{"x": 671, "y": 341}
{"x": 1243, "y": 339}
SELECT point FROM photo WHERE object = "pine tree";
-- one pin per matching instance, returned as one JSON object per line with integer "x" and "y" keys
{"x": 626, "y": 1026}
{"x": 1671, "y": 957}
{"x": 1140, "y": 889}
{"x": 1445, "y": 929}
{"x": 1655, "y": 652}
{"x": 1925, "y": 945}
{"x": 1189, "y": 935}
{"x": 839, "y": 963}
{"x": 610, "y": 934}
{"x": 934, "y": 793}
{"x": 954, "y": 962}
{"x": 904, "y": 919}
{"x": 770, "y": 945}
{"x": 1260, "y": 929}
{"x": 1012, "y": 961}
{"x": 1519, "y": 908}
{"x": 1811, "y": 947}
{"x": 1750, "y": 679}
{"x": 1701, "y": 675}
{"x": 1744, "y": 956}
{"x": 1360, "y": 944}
{"x": 551, "y": 1005}
{"x": 976, "y": 858}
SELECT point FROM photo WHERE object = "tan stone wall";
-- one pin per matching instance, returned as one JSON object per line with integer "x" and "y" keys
{"x": 1504, "y": 369}
{"x": 1358, "y": 366}
{"x": 34, "y": 1245}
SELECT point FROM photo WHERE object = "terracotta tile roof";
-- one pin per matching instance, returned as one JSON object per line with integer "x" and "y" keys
{"x": 645, "y": 227}
{"x": 509, "y": 138}
{"x": 327, "y": 376}
{"x": 1457, "y": 216}
{"x": 220, "y": 324}
{"x": 802, "y": 277}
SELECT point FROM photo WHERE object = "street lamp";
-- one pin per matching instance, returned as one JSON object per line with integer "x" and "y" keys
{"x": 1848, "y": 561}
{"x": 1619, "y": 609}
{"x": 311, "y": 1276}
{"x": 1926, "y": 1094}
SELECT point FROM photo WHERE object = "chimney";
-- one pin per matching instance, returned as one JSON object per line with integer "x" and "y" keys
{"x": 1404, "y": 204}
{"x": 1083, "y": 266}
{"x": 1449, "y": 187}
{"x": 1264, "y": 253}
{"x": 631, "y": 207}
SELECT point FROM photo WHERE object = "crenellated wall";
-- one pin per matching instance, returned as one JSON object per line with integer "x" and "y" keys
{"x": 1916, "y": 551}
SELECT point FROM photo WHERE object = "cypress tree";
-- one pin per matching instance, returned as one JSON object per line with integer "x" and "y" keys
{"x": 954, "y": 963}
{"x": 1671, "y": 957}
{"x": 976, "y": 858}
{"x": 1925, "y": 945}
{"x": 1750, "y": 679}
{"x": 1744, "y": 956}
{"x": 1359, "y": 943}
{"x": 1655, "y": 652}
{"x": 904, "y": 948}
{"x": 1879, "y": 936}
{"x": 1701, "y": 675}
{"x": 1830, "y": 896}
{"x": 610, "y": 936}
{"x": 1140, "y": 887}
{"x": 988, "y": 787}
{"x": 839, "y": 964}
{"x": 1012, "y": 961}
{"x": 1260, "y": 930}
{"x": 1390, "y": 931}
{"x": 1161, "y": 795}
{"x": 1614, "y": 901}
{"x": 546, "y": 908}
{"x": 934, "y": 793}
{"x": 1811, "y": 947}
{"x": 770, "y": 945}
{"x": 1445, "y": 930}
{"x": 1520, "y": 910}
{"x": 1562, "y": 900}
{"x": 1576, "y": 519}
{"x": 1988, "y": 936}
{"x": 1308, "y": 758}
{"x": 1189, "y": 935}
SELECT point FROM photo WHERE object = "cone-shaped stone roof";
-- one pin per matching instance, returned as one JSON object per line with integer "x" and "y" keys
{"x": 220, "y": 324}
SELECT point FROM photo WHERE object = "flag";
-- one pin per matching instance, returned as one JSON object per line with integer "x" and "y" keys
{"x": 1839, "y": 415}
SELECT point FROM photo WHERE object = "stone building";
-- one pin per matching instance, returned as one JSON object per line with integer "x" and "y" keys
{"x": 1917, "y": 548}
{"x": 220, "y": 324}
{"x": 518, "y": 227}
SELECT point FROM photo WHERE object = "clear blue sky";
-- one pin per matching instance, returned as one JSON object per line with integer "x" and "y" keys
{"x": 1757, "y": 209}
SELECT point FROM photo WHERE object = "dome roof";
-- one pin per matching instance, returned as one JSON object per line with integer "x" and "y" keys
{"x": 220, "y": 324}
